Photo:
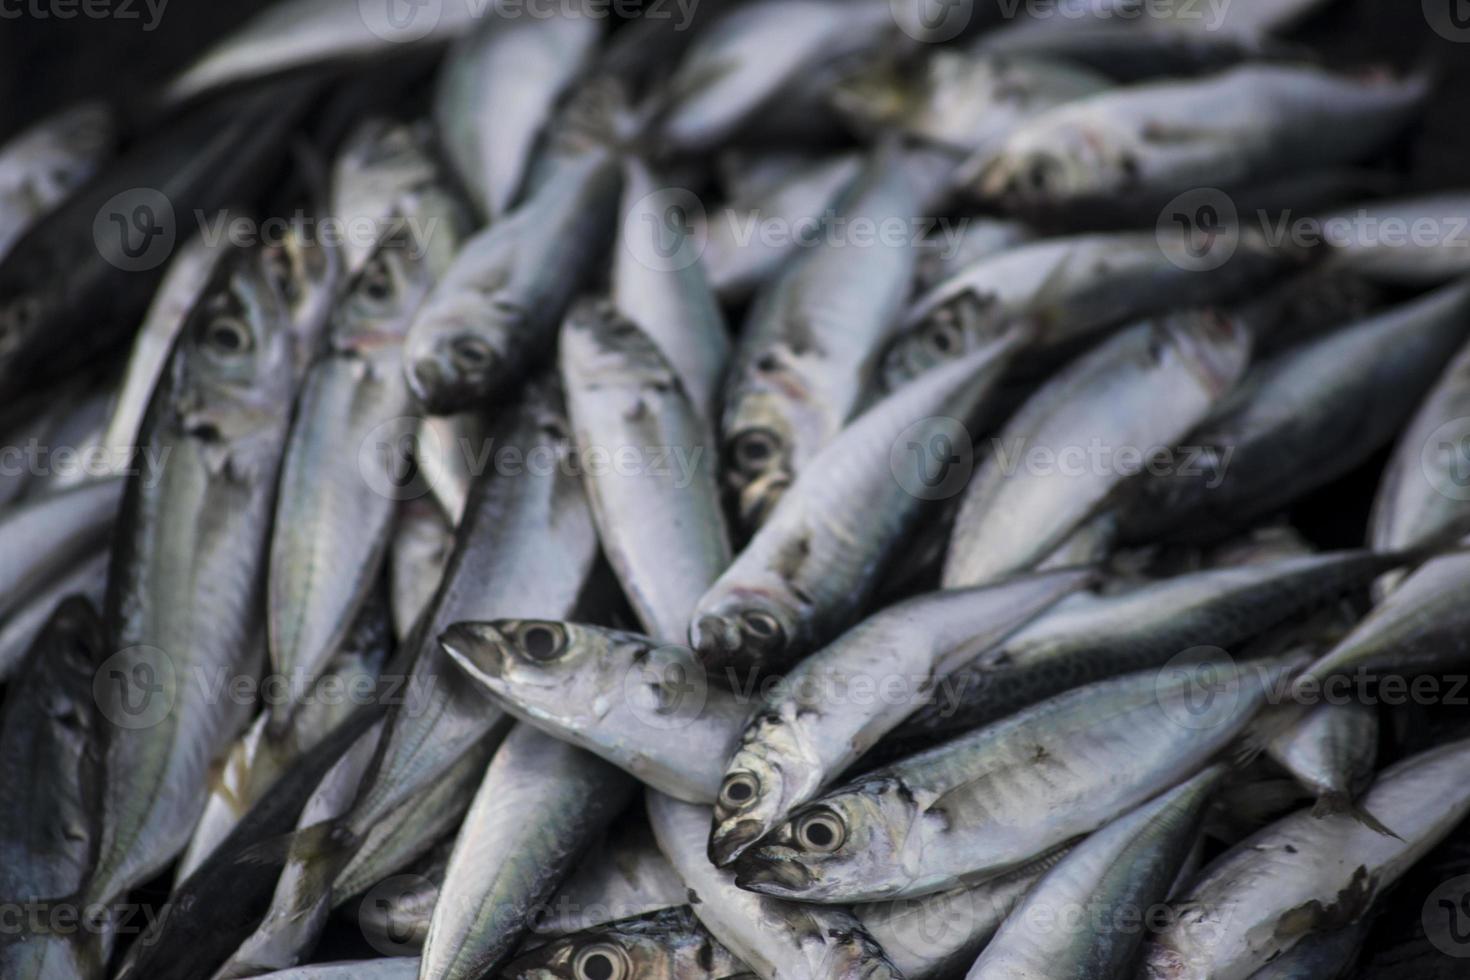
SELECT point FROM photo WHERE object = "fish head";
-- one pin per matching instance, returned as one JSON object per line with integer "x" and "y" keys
{"x": 236, "y": 357}
{"x": 664, "y": 945}
{"x": 456, "y": 355}
{"x": 756, "y": 793}
{"x": 1046, "y": 166}
{"x": 383, "y": 297}
{"x": 746, "y": 628}
{"x": 598, "y": 342}
{"x": 1216, "y": 347}
{"x": 832, "y": 846}
{"x": 957, "y": 326}
{"x": 551, "y": 669}
{"x": 305, "y": 271}
{"x": 757, "y": 464}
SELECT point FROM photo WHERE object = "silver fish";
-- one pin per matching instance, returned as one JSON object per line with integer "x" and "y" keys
{"x": 804, "y": 365}
{"x": 496, "y": 309}
{"x": 1319, "y": 956}
{"x": 1124, "y": 868}
{"x": 1002, "y": 796}
{"x": 1067, "y": 289}
{"x": 820, "y": 721}
{"x": 448, "y": 453}
{"x": 88, "y": 578}
{"x": 1149, "y": 142}
{"x": 944, "y": 256}
{"x": 739, "y": 257}
{"x": 642, "y": 706}
{"x": 626, "y": 876}
{"x": 665, "y": 945}
{"x": 1143, "y": 388}
{"x": 399, "y": 916}
{"x": 807, "y": 572}
{"x": 221, "y": 411}
{"x": 307, "y": 270}
{"x": 660, "y": 521}
{"x": 46, "y": 535}
{"x": 1304, "y": 874}
{"x": 380, "y": 163}
{"x": 539, "y": 806}
{"x": 778, "y": 940}
{"x": 1332, "y": 751}
{"x": 45, "y": 163}
{"x": 659, "y": 285}
{"x": 1325, "y": 406}
{"x": 418, "y": 555}
{"x": 392, "y": 968}
{"x": 1419, "y": 241}
{"x": 343, "y": 469}
{"x": 742, "y": 62}
{"x": 487, "y": 136}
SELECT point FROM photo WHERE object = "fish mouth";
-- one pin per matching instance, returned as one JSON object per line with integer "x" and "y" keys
{"x": 455, "y": 373}
{"x": 480, "y": 649}
{"x": 758, "y": 499}
{"x": 746, "y": 638}
{"x": 757, "y": 872}
{"x": 732, "y": 838}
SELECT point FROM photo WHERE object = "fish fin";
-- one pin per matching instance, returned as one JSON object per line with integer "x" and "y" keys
{"x": 328, "y": 838}
{"x": 1333, "y": 804}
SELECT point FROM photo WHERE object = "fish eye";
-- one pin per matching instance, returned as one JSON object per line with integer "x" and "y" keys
{"x": 377, "y": 284}
{"x": 602, "y": 962}
{"x": 762, "y": 626}
{"x": 821, "y": 832}
{"x": 739, "y": 790}
{"x": 470, "y": 352}
{"x": 944, "y": 335}
{"x": 754, "y": 450}
{"x": 227, "y": 335}
{"x": 542, "y": 642}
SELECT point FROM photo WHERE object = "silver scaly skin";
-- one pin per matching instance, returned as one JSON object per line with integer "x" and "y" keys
{"x": 820, "y": 722}
{"x": 643, "y": 706}
{"x": 807, "y": 572}
{"x": 1408, "y": 261}
{"x": 538, "y": 807}
{"x": 381, "y": 163}
{"x": 805, "y": 361}
{"x": 221, "y": 411}
{"x": 777, "y": 940}
{"x": 1143, "y": 388}
{"x": 1332, "y": 751}
{"x": 1304, "y": 873}
{"x": 997, "y": 798}
{"x": 661, "y": 525}
{"x": 665, "y": 945}
{"x": 626, "y": 876}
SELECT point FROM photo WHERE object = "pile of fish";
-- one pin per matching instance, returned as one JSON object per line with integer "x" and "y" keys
{"x": 783, "y": 488}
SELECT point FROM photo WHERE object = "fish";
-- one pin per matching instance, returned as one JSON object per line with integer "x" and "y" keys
{"x": 399, "y": 916}
{"x": 488, "y": 137}
{"x": 423, "y": 540}
{"x": 644, "y": 706}
{"x": 820, "y": 721}
{"x": 624, "y": 877}
{"x": 738, "y": 257}
{"x": 381, "y": 162}
{"x": 307, "y": 269}
{"x": 775, "y": 939}
{"x": 941, "y": 258}
{"x": 494, "y": 312}
{"x": 1000, "y": 797}
{"x": 665, "y": 945}
{"x": 539, "y": 806}
{"x": 741, "y": 63}
{"x": 18, "y": 630}
{"x": 448, "y": 451}
{"x": 1418, "y": 241}
{"x": 303, "y": 35}
{"x": 1304, "y": 874}
{"x": 44, "y": 164}
{"x": 1320, "y": 956}
{"x": 343, "y": 469}
{"x": 73, "y": 287}
{"x": 660, "y": 286}
{"x": 1114, "y": 875}
{"x": 1090, "y": 637}
{"x": 45, "y": 536}
{"x": 962, "y": 101}
{"x": 50, "y": 761}
{"x": 1332, "y": 751}
{"x": 660, "y": 520}
{"x": 388, "y": 968}
{"x": 1364, "y": 379}
{"x": 1146, "y": 143}
{"x": 1143, "y": 388}
{"x": 1070, "y": 289}
{"x": 805, "y": 575}
{"x": 1419, "y": 501}
{"x": 221, "y": 412}
{"x": 803, "y": 366}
